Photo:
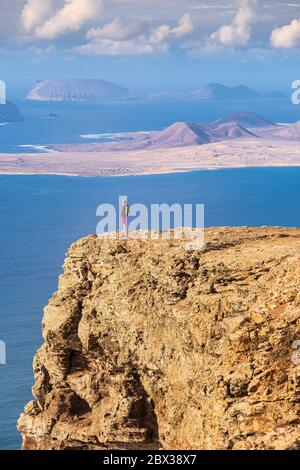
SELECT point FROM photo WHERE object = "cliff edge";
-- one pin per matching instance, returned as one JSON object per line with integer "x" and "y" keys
{"x": 150, "y": 346}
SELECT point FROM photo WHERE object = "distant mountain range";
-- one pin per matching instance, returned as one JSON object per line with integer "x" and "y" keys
{"x": 10, "y": 113}
{"x": 103, "y": 91}
{"x": 217, "y": 91}
{"x": 235, "y": 126}
{"x": 183, "y": 134}
{"x": 222, "y": 92}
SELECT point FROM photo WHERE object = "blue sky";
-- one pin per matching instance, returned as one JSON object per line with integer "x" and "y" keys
{"x": 152, "y": 44}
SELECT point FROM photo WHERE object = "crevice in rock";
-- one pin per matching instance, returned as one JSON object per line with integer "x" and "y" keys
{"x": 77, "y": 362}
{"x": 78, "y": 406}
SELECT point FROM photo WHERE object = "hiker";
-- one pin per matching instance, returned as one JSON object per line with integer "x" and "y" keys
{"x": 124, "y": 214}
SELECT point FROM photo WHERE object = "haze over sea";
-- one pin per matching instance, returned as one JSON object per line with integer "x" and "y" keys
{"x": 42, "y": 215}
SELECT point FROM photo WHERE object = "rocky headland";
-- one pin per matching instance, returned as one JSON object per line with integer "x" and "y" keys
{"x": 147, "y": 346}
{"x": 10, "y": 113}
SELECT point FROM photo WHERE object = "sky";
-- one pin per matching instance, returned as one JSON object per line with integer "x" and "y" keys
{"x": 152, "y": 44}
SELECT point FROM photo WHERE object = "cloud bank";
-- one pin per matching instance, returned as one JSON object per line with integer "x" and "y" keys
{"x": 286, "y": 37}
{"x": 34, "y": 12}
{"x": 135, "y": 27}
{"x": 71, "y": 17}
{"x": 238, "y": 33}
{"x": 128, "y": 37}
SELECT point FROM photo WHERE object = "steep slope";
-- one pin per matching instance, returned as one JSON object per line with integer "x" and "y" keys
{"x": 148, "y": 345}
{"x": 247, "y": 119}
{"x": 182, "y": 134}
{"x": 228, "y": 131}
{"x": 78, "y": 90}
{"x": 10, "y": 113}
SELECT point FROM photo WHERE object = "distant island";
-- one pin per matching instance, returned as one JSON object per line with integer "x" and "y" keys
{"x": 78, "y": 90}
{"x": 240, "y": 140}
{"x": 10, "y": 113}
{"x": 103, "y": 91}
{"x": 217, "y": 91}
{"x": 236, "y": 126}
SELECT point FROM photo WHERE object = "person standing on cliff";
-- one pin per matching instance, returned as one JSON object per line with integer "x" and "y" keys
{"x": 124, "y": 214}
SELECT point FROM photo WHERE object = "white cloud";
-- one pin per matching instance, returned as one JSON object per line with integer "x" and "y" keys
{"x": 35, "y": 12}
{"x": 127, "y": 37}
{"x": 238, "y": 33}
{"x": 120, "y": 29}
{"x": 139, "y": 46}
{"x": 70, "y": 18}
{"x": 164, "y": 32}
{"x": 287, "y": 36}
{"x": 185, "y": 27}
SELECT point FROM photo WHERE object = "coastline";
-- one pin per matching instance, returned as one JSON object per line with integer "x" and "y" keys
{"x": 171, "y": 172}
{"x": 241, "y": 153}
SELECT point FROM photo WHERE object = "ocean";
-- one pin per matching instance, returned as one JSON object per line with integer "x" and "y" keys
{"x": 42, "y": 215}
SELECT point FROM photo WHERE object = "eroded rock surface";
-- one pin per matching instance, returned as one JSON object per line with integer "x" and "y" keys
{"x": 148, "y": 345}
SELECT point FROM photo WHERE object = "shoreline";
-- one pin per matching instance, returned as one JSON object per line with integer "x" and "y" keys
{"x": 236, "y": 154}
{"x": 195, "y": 170}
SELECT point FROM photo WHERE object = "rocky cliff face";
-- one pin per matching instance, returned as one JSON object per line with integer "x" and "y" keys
{"x": 148, "y": 345}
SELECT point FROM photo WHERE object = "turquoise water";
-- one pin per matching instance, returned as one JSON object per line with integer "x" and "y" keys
{"x": 41, "y": 215}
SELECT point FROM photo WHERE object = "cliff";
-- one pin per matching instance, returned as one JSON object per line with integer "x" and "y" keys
{"x": 148, "y": 345}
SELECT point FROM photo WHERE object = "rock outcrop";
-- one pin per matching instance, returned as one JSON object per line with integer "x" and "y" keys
{"x": 150, "y": 346}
